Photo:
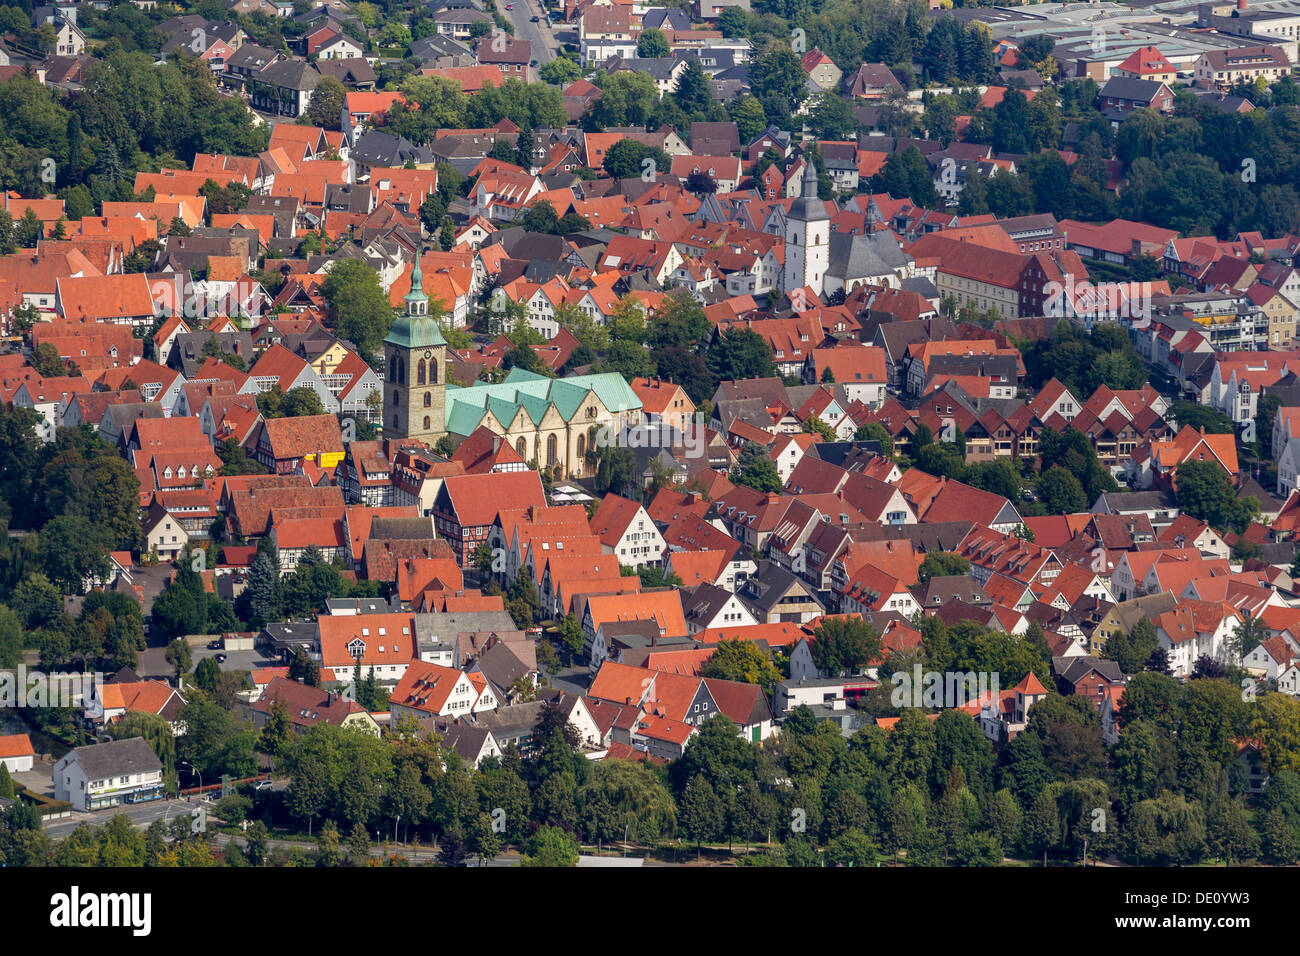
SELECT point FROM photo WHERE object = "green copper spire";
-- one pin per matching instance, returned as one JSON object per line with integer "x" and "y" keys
{"x": 417, "y": 288}
{"x": 416, "y": 328}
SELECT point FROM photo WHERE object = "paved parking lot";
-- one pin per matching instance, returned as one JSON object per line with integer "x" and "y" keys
{"x": 237, "y": 660}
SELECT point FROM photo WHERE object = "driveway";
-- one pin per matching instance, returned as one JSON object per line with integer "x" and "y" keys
{"x": 40, "y": 779}
{"x": 153, "y": 579}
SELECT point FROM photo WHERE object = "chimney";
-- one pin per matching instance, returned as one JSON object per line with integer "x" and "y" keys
{"x": 1241, "y": 4}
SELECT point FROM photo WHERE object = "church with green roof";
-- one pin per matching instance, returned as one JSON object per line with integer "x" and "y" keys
{"x": 550, "y": 421}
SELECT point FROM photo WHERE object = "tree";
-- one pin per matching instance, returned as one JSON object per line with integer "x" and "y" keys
{"x": 874, "y": 431}
{"x": 261, "y": 600}
{"x": 942, "y": 459}
{"x": 942, "y": 564}
{"x": 179, "y": 656}
{"x": 1166, "y": 830}
{"x": 1198, "y": 416}
{"x": 1278, "y": 839}
{"x": 482, "y": 839}
{"x": 303, "y": 669}
{"x": 653, "y": 44}
{"x": 616, "y": 470}
{"x": 502, "y": 150}
{"x": 626, "y": 798}
{"x": 961, "y": 747}
{"x": 329, "y": 851}
{"x": 832, "y": 117}
{"x": 277, "y": 733}
{"x": 694, "y": 93}
{"x": 851, "y": 848}
{"x": 905, "y": 173}
{"x": 1229, "y": 835}
{"x": 359, "y": 307}
{"x": 844, "y": 644}
{"x": 1205, "y": 492}
{"x": 626, "y": 159}
{"x": 1061, "y": 492}
{"x": 700, "y": 183}
{"x": 1249, "y": 633}
{"x": 741, "y": 660}
{"x": 235, "y": 460}
{"x": 626, "y": 99}
{"x": 326, "y": 107}
{"x": 741, "y": 353}
{"x": 1072, "y": 450}
{"x": 359, "y": 845}
{"x": 559, "y": 72}
{"x": 778, "y": 80}
{"x": 11, "y": 638}
{"x": 701, "y": 814}
{"x": 1042, "y": 827}
{"x": 180, "y": 609}
{"x": 551, "y": 847}
{"x": 540, "y": 217}
{"x": 1132, "y": 650}
{"x": 815, "y": 426}
{"x": 758, "y": 473}
{"x": 72, "y": 549}
{"x": 46, "y": 361}
{"x": 571, "y": 635}
{"x": 747, "y": 113}
{"x": 1275, "y": 722}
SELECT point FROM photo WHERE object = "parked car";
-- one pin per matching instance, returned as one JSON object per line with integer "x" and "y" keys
{"x": 214, "y": 645}
{"x": 534, "y": 19}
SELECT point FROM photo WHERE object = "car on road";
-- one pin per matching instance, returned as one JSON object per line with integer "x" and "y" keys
{"x": 263, "y": 785}
{"x": 532, "y": 63}
{"x": 221, "y": 658}
{"x": 534, "y": 19}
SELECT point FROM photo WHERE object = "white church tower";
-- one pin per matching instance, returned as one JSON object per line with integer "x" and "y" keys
{"x": 807, "y": 237}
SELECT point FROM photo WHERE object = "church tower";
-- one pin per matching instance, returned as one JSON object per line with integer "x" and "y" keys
{"x": 415, "y": 354}
{"x": 807, "y": 237}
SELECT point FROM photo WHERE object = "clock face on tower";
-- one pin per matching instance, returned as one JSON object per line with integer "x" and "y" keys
{"x": 428, "y": 354}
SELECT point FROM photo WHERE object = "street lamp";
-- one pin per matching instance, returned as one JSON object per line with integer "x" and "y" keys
{"x": 186, "y": 763}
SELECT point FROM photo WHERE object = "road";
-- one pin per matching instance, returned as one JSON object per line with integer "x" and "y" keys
{"x": 141, "y": 814}
{"x": 545, "y": 47}
{"x": 414, "y": 854}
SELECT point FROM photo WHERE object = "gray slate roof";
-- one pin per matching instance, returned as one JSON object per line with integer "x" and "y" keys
{"x": 855, "y": 257}
{"x": 118, "y": 758}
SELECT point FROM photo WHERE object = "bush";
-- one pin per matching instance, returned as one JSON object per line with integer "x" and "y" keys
{"x": 233, "y": 809}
